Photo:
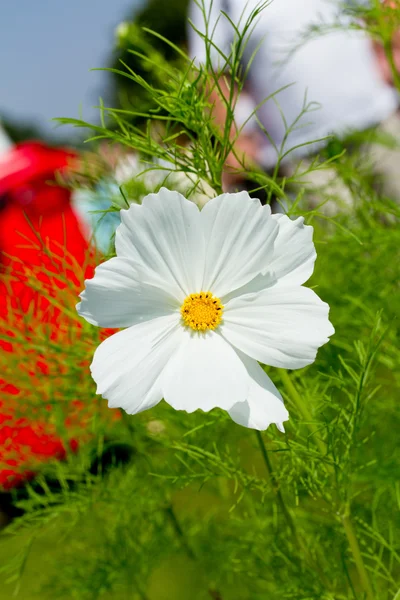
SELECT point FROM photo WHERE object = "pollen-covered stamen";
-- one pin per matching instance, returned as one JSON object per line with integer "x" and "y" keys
{"x": 202, "y": 311}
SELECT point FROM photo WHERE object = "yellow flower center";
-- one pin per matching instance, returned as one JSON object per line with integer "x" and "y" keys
{"x": 202, "y": 311}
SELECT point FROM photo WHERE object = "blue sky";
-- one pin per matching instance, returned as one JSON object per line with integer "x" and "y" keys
{"x": 47, "y": 48}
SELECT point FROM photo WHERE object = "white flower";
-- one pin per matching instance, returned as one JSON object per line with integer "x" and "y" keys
{"x": 204, "y": 295}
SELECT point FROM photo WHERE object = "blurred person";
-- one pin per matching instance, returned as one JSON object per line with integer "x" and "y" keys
{"x": 5, "y": 142}
{"x": 348, "y": 89}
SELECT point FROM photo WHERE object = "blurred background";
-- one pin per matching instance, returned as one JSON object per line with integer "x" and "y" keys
{"x": 48, "y": 49}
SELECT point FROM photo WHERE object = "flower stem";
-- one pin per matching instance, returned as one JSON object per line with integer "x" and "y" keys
{"x": 345, "y": 519}
{"x": 356, "y": 552}
{"x": 139, "y": 590}
{"x": 179, "y": 532}
{"x": 303, "y": 409}
{"x": 285, "y": 511}
{"x": 397, "y": 596}
{"x": 214, "y": 594}
{"x": 275, "y": 485}
{"x": 128, "y": 421}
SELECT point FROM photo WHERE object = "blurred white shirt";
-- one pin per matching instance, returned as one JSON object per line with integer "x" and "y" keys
{"x": 336, "y": 71}
{"x": 5, "y": 142}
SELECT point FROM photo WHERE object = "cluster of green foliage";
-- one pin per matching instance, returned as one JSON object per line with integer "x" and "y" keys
{"x": 169, "y": 20}
{"x": 205, "y": 508}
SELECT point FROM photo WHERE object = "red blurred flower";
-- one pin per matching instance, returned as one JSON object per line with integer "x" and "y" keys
{"x": 44, "y": 258}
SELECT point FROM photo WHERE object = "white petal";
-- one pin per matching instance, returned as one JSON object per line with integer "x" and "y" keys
{"x": 264, "y": 404}
{"x": 127, "y": 366}
{"x": 239, "y": 235}
{"x": 116, "y": 298}
{"x": 294, "y": 252}
{"x": 164, "y": 237}
{"x": 205, "y": 373}
{"x": 281, "y": 327}
{"x": 291, "y": 262}
{"x": 258, "y": 284}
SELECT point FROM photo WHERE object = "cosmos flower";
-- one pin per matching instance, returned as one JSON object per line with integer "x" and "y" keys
{"x": 205, "y": 295}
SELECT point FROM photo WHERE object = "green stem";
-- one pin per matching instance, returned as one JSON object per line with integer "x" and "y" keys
{"x": 285, "y": 511}
{"x": 397, "y": 596}
{"x": 179, "y": 532}
{"x": 356, "y": 552}
{"x": 138, "y": 589}
{"x": 128, "y": 421}
{"x": 303, "y": 409}
{"x": 275, "y": 485}
{"x": 346, "y": 520}
{"x": 215, "y": 594}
